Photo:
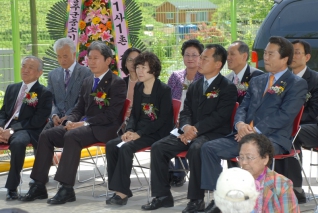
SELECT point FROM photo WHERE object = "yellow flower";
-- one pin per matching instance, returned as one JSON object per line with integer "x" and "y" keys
{"x": 104, "y": 11}
{"x": 34, "y": 95}
{"x": 246, "y": 84}
{"x": 103, "y": 96}
{"x": 82, "y": 24}
{"x": 208, "y": 94}
{"x": 115, "y": 72}
{"x": 95, "y": 20}
{"x": 97, "y": 3}
{"x": 95, "y": 36}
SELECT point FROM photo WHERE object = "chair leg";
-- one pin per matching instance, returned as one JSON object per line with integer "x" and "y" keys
{"x": 309, "y": 186}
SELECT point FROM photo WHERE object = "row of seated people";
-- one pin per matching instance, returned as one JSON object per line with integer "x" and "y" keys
{"x": 205, "y": 119}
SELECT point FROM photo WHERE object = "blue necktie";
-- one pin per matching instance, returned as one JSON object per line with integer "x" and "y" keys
{"x": 205, "y": 86}
{"x": 96, "y": 80}
{"x": 67, "y": 78}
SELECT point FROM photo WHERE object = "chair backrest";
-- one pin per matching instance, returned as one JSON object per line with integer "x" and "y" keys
{"x": 297, "y": 121}
{"x": 233, "y": 113}
{"x": 125, "y": 109}
{"x": 176, "y": 109}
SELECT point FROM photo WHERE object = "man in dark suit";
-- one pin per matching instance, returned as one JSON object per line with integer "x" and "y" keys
{"x": 206, "y": 116}
{"x": 237, "y": 57}
{"x": 65, "y": 81}
{"x": 26, "y": 107}
{"x": 96, "y": 117}
{"x": 269, "y": 107}
{"x": 309, "y": 130}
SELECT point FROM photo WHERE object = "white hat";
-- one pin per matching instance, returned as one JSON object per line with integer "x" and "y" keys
{"x": 235, "y": 191}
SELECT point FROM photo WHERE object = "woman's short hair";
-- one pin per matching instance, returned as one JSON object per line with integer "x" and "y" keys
{"x": 153, "y": 62}
{"x": 264, "y": 145}
{"x": 124, "y": 58}
{"x": 192, "y": 43}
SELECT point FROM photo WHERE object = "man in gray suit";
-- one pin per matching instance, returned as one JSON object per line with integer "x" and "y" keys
{"x": 65, "y": 81}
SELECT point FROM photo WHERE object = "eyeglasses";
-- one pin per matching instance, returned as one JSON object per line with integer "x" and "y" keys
{"x": 191, "y": 56}
{"x": 247, "y": 158}
{"x": 130, "y": 60}
{"x": 298, "y": 53}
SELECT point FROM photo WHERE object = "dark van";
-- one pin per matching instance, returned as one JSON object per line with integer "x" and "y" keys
{"x": 292, "y": 19}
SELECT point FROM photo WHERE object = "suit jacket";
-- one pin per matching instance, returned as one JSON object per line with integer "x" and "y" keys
{"x": 64, "y": 101}
{"x": 249, "y": 73}
{"x": 31, "y": 119}
{"x": 311, "y": 105}
{"x": 210, "y": 116}
{"x": 273, "y": 114}
{"x": 176, "y": 81}
{"x": 108, "y": 116}
{"x": 161, "y": 99}
{"x": 278, "y": 194}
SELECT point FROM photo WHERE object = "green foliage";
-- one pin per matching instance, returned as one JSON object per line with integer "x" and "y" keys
{"x": 1, "y": 98}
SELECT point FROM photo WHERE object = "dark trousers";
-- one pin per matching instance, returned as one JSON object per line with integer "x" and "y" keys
{"x": 120, "y": 160}
{"x": 213, "y": 152}
{"x": 161, "y": 153}
{"x": 18, "y": 142}
{"x": 307, "y": 137}
{"x": 73, "y": 142}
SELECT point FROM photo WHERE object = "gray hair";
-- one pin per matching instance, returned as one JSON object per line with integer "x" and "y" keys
{"x": 40, "y": 67}
{"x": 60, "y": 43}
{"x": 243, "y": 48}
{"x": 100, "y": 47}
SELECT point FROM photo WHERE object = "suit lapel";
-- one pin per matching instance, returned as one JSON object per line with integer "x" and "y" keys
{"x": 247, "y": 75}
{"x": 60, "y": 81}
{"x": 15, "y": 94}
{"x": 103, "y": 85}
{"x": 154, "y": 92}
{"x": 260, "y": 90}
{"x": 212, "y": 87}
{"x": 74, "y": 76}
{"x": 34, "y": 88}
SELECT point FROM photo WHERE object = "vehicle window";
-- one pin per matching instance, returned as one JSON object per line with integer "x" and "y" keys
{"x": 298, "y": 19}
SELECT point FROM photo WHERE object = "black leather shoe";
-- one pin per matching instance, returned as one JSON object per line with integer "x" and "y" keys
{"x": 12, "y": 195}
{"x": 301, "y": 197}
{"x": 37, "y": 191}
{"x": 32, "y": 181}
{"x": 194, "y": 206}
{"x": 211, "y": 208}
{"x": 117, "y": 200}
{"x": 109, "y": 199}
{"x": 177, "y": 181}
{"x": 63, "y": 195}
{"x": 158, "y": 202}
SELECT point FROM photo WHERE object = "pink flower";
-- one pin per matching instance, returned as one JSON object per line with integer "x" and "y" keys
{"x": 93, "y": 13}
{"x": 83, "y": 53}
{"x": 93, "y": 29}
{"x": 103, "y": 18}
{"x": 85, "y": 61}
{"x": 106, "y": 36}
{"x": 83, "y": 38}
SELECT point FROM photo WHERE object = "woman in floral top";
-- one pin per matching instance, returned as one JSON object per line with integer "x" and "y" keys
{"x": 150, "y": 120}
{"x": 179, "y": 82}
{"x": 276, "y": 193}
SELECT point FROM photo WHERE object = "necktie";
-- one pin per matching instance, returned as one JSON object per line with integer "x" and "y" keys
{"x": 67, "y": 78}
{"x": 96, "y": 80}
{"x": 270, "y": 84}
{"x": 205, "y": 86}
{"x": 17, "y": 105}
{"x": 236, "y": 80}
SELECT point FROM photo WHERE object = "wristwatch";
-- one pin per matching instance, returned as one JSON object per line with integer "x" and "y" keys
{"x": 86, "y": 124}
{"x": 11, "y": 131}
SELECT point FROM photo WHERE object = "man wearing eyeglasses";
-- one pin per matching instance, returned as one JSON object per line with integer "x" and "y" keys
{"x": 269, "y": 107}
{"x": 309, "y": 130}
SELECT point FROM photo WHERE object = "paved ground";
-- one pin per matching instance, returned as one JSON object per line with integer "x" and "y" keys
{"x": 86, "y": 203}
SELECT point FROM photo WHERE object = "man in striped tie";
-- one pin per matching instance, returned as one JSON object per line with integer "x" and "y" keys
{"x": 26, "y": 108}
